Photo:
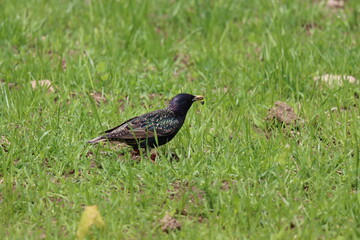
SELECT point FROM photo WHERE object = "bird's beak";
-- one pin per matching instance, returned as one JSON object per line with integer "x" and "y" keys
{"x": 198, "y": 98}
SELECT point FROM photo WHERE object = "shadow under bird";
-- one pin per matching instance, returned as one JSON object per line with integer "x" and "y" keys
{"x": 155, "y": 128}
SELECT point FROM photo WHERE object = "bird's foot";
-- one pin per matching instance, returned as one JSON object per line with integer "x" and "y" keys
{"x": 153, "y": 157}
{"x": 135, "y": 152}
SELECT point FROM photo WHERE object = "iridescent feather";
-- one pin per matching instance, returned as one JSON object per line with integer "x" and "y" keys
{"x": 152, "y": 129}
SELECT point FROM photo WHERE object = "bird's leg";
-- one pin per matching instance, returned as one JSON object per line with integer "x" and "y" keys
{"x": 153, "y": 157}
{"x": 135, "y": 152}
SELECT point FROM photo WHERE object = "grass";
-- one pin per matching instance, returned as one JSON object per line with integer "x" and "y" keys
{"x": 235, "y": 178}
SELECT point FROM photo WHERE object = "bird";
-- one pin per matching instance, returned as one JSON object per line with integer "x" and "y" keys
{"x": 152, "y": 129}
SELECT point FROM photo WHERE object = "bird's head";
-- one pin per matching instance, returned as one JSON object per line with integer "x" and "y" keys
{"x": 183, "y": 101}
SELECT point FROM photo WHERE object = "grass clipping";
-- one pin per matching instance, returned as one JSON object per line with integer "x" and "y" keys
{"x": 90, "y": 216}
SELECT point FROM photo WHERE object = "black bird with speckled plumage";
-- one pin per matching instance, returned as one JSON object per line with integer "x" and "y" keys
{"x": 155, "y": 128}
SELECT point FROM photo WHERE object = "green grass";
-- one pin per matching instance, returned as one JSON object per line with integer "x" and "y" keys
{"x": 242, "y": 180}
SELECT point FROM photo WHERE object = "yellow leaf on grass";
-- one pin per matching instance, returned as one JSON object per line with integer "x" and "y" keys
{"x": 90, "y": 216}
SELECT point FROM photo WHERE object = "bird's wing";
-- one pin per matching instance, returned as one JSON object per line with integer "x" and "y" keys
{"x": 159, "y": 123}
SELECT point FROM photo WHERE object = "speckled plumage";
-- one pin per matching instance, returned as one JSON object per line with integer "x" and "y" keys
{"x": 155, "y": 128}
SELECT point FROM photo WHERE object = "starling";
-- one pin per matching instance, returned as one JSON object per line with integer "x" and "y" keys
{"x": 155, "y": 128}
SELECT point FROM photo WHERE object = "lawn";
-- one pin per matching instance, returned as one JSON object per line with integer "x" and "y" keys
{"x": 72, "y": 69}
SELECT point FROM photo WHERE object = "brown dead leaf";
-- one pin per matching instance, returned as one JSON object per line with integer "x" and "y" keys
{"x": 43, "y": 83}
{"x": 333, "y": 80}
{"x": 169, "y": 223}
{"x": 98, "y": 97}
{"x": 339, "y": 171}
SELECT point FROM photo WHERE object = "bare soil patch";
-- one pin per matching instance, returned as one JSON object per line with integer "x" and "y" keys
{"x": 282, "y": 113}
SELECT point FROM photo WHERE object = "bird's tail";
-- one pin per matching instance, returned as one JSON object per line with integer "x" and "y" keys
{"x": 96, "y": 140}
